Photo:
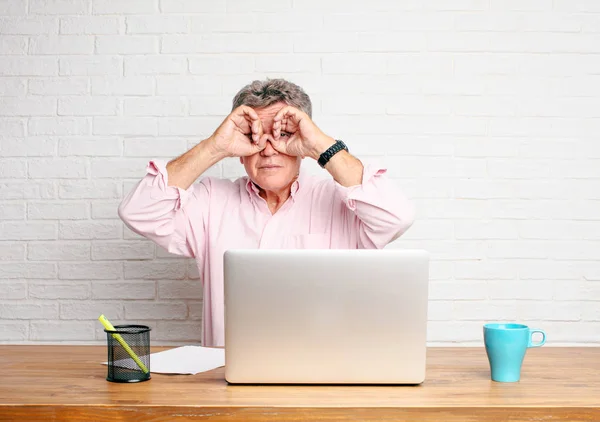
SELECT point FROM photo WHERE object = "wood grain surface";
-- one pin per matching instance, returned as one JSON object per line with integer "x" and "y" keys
{"x": 65, "y": 383}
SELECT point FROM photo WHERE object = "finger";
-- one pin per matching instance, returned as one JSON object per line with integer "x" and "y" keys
{"x": 257, "y": 130}
{"x": 280, "y": 145}
{"x": 262, "y": 141}
{"x": 276, "y": 129}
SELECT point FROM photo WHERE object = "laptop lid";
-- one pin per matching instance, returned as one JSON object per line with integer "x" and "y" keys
{"x": 326, "y": 316}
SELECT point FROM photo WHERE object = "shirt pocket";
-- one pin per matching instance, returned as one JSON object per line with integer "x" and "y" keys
{"x": 307, "y": 241}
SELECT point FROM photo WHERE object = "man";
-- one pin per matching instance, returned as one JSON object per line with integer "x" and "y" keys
{"x": 276, "y": 206}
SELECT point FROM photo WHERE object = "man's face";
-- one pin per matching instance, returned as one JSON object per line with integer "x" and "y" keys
{"x": 269, "y": 169}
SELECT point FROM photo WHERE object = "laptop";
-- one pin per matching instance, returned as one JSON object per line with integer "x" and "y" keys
{"x": 335, "y": 316}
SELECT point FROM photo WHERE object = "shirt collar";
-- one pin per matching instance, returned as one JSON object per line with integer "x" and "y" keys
{"x": 300, "y": 181}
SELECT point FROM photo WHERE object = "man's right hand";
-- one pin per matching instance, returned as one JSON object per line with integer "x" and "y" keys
{"x": 240, "y": 134}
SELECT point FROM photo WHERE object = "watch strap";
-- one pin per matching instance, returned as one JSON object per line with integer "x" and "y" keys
{"x": 331, "y": 151}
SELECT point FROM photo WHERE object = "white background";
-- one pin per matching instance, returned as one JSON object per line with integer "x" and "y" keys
{"x": 486, "y": 113}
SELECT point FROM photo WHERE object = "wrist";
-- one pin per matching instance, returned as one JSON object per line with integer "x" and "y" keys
{"x": 210, "y": 147}
{"x": 321, "y": 146}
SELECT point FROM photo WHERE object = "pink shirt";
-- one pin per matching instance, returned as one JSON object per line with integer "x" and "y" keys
{"x": 218, "y": 214}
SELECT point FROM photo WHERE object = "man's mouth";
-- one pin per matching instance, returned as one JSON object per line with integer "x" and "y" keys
{"x": 269, "y": 166}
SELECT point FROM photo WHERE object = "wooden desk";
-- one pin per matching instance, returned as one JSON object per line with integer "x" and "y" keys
{"x": 51, "y": 383}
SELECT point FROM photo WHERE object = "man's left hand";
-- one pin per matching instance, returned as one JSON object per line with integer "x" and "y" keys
{"x": 296, "y": 134}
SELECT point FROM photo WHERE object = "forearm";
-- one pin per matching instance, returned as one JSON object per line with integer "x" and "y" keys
{"x": 346, "y": 169}
{"x": 185, "y": 169}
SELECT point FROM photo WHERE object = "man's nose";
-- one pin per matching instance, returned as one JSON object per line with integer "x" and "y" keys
{"x": 269, "y": 150}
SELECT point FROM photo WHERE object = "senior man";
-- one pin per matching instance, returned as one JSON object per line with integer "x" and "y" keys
{"x": 277, "y": 205}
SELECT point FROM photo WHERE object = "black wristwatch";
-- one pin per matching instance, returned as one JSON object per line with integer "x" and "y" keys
{"x": 331, "y": 151}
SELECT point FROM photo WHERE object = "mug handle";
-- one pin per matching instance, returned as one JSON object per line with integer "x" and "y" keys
{"x": 541, "y": 342}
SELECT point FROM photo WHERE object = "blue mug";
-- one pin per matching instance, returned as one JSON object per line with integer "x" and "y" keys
{"x": 505, "y": 345}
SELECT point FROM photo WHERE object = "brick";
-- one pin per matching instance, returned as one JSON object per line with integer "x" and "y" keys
{"x": 292, "y": 63}
{"x": 167, "y": 270}
{"x": 155, "y": 65}
{"x": 92, "y": 189}
{"x": 221, "y": 65}
{"x": 123, "y": 167}
{"x": 12, "y": 87}
{"x": 61, "y": 44}
{"x": 90, "y": 146}
{"x": 154, "y": 106}
{"x": 12, "y": 211}
{"x": 454, "y": 331}
{"x": 27, "y": 147}
{"x": 139, "y": 85}
{"x": 90, "y": 310}
{"x": 12, "y": 251}
{"x": 193, "y": 270}
{"x": 431, "y": 229}
{"x": 124, "y": 290}
{"x": 184, "y": 85}
{"x": 191, "y": 6}
{"x": 181, "y": 44}
{"x": 28, "y": 66}
{"x": 485, "y": 310}
{"x": 88, "y": 106}
{"x": 13, "y": 45}
{"x": 14, "y": 330}
{"x": 68, "y": 251}
{"x": 155, "y": 311}
{"x": 126, "y": 44}
{"x": 548, "y": 311}
{"x": 527, "y": 5}
{"x": 541, "y": 269}
{"x": 12, "y": 8}
{"x": 27, "y": 106}
{"x": 62, "y": 330}
{"x": 89, "y": 271}
{"x": 27, "y": 231}
{"x": 195, "y": 310}
{"x": 439, "y": 310}
{"x": 158, "y": 147}
{"x": 12, "y": 169}
{"x": 590, "y": 311}
{"x": 485, "y": 230}
{"x": 93, "y": 25}
{"x": 573, "y": 250}
{"x": 13, "y": 290}
{"x": 28, "y": 26}
{"x": 104, "y": 209}
{"x": 484, "y": 270}
{"x": 178, "y": 331}
{"x": 53, "y": 290}
{"x": 118, "y": 7}
{"x": 64, "y": 210}
{"x": 91, "y": 66}
{"x": 59, "y": 86}
{"x": 458, "y": 290}
{"x": 226, "y": 22}
{"x": 122, "y": 250}
{"x": 125, "y": 126}
{"x": 28, "y": 310}
{"x": 59, "y": 7}
{"x": 511, "y": 249}
{"x": 161, "y": 24}
{"x": 199, "y": 127}
{"x": 27, "y": 270}
{"x": 28, "y": 190}
{"x": 84, "y": 230}
{"x": 12, "y": 126}
{"x": 64, "y": 168}
{"x": 179, "y": 290}
{"x": 209, "y": 106}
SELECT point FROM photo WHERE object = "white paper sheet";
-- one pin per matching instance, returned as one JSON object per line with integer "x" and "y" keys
{"x": 185, "y": 360}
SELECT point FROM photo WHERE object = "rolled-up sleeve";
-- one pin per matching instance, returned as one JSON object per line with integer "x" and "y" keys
{"x": 383, "y": 212}
{"x": 171, "y": 217}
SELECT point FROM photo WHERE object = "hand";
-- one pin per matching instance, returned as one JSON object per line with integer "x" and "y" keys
{"x": 296, "y": 134}
{"x": 240, "y": 134}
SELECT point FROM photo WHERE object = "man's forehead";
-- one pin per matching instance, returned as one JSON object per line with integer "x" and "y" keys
{"x": 267, "y": 113}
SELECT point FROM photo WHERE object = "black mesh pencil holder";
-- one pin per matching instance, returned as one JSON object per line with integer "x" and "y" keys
{"x": 128, "y": 353}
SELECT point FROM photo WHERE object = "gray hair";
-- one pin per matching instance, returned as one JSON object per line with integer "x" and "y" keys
{"x": 259, "y": 94}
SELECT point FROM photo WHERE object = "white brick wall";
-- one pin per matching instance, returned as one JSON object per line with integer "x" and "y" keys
{"x": 485, "y": 111}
